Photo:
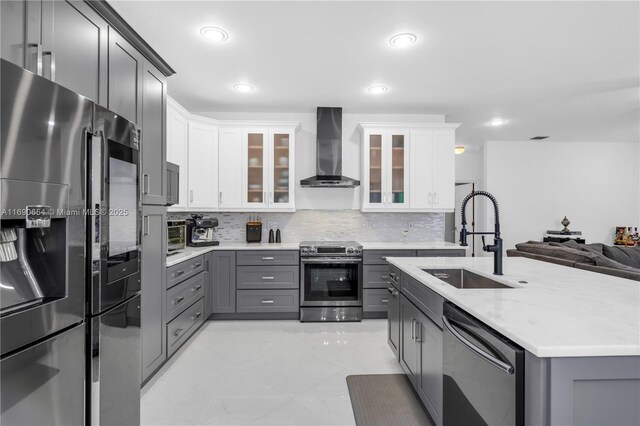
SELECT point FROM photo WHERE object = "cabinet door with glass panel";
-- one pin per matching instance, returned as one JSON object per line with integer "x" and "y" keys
{"x": 255, "y": 159}
{"x": 386, "y": 161}
{"x": 281, "y": 168}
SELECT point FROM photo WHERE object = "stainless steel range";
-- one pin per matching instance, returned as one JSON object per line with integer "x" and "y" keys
{"x": 331, "y": 281}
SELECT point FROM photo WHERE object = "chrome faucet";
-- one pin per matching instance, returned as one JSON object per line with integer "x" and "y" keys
{"x": 496, "y": 248}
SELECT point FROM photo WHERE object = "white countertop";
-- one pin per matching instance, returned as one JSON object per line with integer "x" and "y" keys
{"x": 191, "y": 252}
{"x": 560, "y": 312}
{"x": 406, "y": 245}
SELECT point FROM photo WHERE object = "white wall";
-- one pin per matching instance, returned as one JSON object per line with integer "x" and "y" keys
{"x": 323, "y": 198}
{"x": 596, "y": 185}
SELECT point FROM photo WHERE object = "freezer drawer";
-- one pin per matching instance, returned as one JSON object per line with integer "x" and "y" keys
{"x": 114, "y": 387}
{"x": 45, "y": 384}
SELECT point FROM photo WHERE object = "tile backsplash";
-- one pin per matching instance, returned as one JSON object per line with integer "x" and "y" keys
{"x": 333, "y": 225}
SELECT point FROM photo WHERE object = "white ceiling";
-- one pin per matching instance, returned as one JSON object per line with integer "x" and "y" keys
{"x": 569, "y": 70}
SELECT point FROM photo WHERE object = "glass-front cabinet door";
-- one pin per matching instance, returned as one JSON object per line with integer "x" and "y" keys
{"x": 386, "y": 161}
{"x": 255, "y": 162}
{"x": 280, "y": 192}
{"x": 397, "y": 171}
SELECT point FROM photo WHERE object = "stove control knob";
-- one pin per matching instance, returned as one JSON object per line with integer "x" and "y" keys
{"x": 358, "y": 251}
{"x": 350, "y": 250}
{"x": 305, "y": 250}
{"x": 312, "y": 250}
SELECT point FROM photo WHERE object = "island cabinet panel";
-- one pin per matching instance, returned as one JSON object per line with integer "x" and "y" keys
{"x": 408, "y": 348}
{"x": 223, "y": 282}
{"x": 580, "y": 391}
{"x": 394, "y": 324}
{"x": 429, "y": 378}
{"x": 424, "y": 298}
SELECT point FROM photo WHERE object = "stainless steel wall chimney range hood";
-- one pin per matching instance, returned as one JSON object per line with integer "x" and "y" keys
{"x": 329, "y": 152}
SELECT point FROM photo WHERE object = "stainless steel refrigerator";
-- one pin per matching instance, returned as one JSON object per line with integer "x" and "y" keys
{"x": 69, "y": 257}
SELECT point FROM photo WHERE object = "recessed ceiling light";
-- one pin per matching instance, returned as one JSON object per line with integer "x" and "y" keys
{"x": 497, "y": 122}
{"x": 214, "y": 34}
{"x": 402, "y": 40}
{"x": 459, "y": 149}
{"x": 378, "y": 89}
{"x": 243, "y": 87}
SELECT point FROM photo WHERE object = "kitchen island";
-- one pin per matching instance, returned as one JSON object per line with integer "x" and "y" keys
{"x": 580, "y": 332}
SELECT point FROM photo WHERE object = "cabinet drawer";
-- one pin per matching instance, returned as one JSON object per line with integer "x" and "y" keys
{"x": 184, "y": 325}
{"x": 427, "y": 300}
{"x": 376, "y": 276}
{"x": 268, "y": 277}
{"x": 376, "y": 300}
{"x": 379, "y": 257}
{"x": 184, "y": 270}
{"x": 442, "y": 253}
{"x": 268, "y": 300}
{"x": 184, "y": 294}
{"x": 267, "y": 257}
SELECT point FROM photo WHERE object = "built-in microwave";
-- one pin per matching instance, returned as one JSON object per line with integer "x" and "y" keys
{"x": 176, "y": 236}
{"x": 173, "y": 184}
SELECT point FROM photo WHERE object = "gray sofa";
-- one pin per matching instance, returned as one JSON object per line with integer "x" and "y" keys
{"x": 621, "y": 262}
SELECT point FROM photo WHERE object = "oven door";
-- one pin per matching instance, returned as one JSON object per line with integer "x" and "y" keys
{"x": 115, "y": 223}
{"x": 330, "y": 281}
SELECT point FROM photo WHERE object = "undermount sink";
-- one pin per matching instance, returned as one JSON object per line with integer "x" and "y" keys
{"x": 462, "y": 278}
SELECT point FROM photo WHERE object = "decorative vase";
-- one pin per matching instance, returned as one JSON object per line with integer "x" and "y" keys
{"x": 565, "y": 222}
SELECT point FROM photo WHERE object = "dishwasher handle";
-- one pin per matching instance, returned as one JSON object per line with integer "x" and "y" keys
{"x": 501, "y": 365}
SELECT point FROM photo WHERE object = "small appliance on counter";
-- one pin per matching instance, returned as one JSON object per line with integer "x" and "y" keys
{"x": 254, "y": 229}
{"x": 200, "y": 231}
{"x": 176, "y": 236}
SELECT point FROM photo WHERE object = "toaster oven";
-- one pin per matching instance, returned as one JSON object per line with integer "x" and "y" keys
{"x": 176, "y": 236}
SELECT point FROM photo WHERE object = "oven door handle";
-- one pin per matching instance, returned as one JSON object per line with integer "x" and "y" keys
{"x": 332, "y": 260}
{"x": 507, "y": 368}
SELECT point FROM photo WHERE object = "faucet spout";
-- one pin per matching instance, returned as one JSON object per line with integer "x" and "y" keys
{"x": 496, "y": 248}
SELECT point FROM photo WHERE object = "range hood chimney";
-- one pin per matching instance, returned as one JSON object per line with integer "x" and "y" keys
{"x": 329, "y": 152}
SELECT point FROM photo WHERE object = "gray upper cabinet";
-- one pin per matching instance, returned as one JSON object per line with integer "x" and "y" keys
{"x": 12, "y": 43}
{"x": 125, "y": 71}
{"x": 223, "y": 282}
{"x": 153, "y": 146}
{"x": 64, "y": 41}
{"x": 153, "y": 289}
{"x": 78, "y": 45}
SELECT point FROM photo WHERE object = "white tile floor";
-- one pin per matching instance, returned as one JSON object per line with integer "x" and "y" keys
{"x": 267, "y": 373}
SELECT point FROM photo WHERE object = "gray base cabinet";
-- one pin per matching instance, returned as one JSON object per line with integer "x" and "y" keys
{"x": 376, "y": 276}
{"x": 153, "y": 289}
{"x": 223, "y": 282}
{"x": 393, "y": 325}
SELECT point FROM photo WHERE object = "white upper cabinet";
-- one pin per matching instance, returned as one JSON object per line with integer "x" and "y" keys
{"x": 202, "y": 172}
{"x": 177, "y": 139}
{"x": 408, "y": 167}
{"x": 230, "y": 168}
{"x": 231, "y": 165}
{"x": 268, "y": 164}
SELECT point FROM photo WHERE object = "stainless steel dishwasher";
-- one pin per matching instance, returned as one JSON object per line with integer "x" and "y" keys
{"x": 483, "y": 381}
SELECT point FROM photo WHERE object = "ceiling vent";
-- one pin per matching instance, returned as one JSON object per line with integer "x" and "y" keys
{"x": 538, "y": 138}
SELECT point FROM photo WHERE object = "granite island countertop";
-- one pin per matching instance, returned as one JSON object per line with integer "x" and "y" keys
{"x": 559, "y": 312}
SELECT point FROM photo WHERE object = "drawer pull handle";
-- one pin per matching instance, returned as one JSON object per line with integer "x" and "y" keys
{"x": 267, "y": 302}
{"x": 196, "y": 316}
{"x": 178, "y": 273}
{"x": 177, "y": 332}
{"x": 383, "y": 257}
{"x": 196, "y": 288}
{"x": 384, "y": 300}
{"x": 384, "y": 277}
{"x": 393, "y": 276}
{"x": 178, "y": 300}
{"x": 268, "y": 278}
{"x": 197, "y": 265}
{"x": 267, "y": 258}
